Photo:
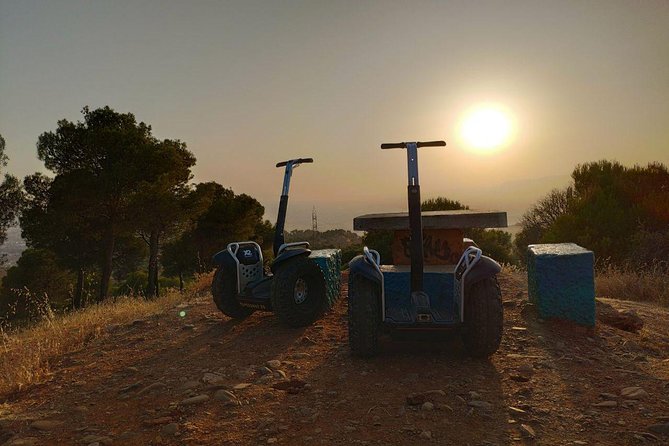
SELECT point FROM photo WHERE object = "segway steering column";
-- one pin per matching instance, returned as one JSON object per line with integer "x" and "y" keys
{"x": 283, "y": 201}
{"x": 415, "y": 220}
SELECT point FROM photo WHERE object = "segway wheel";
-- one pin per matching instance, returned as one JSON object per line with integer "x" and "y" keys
{"x": 364, "y": 312}
{"x": 224, "y": 291}
{"x": 298, "y": 295}
{"x": 484, "y": 318}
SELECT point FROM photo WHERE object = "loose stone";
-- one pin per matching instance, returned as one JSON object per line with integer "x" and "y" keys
{"x": 195, "y": 400}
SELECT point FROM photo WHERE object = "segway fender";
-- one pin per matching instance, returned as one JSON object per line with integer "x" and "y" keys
{"x": 289, "y": 254}
{"x": 224, "y": 258}
{"x": 362, "y": 267}
{"x": 484, "y": 268}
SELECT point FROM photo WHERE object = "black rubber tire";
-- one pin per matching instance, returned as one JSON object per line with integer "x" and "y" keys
{"x": 290, "y": 312}
{"x": 224, "y": 291}
{"x": 364, "y": 316}
{"x": 484, "y": 318}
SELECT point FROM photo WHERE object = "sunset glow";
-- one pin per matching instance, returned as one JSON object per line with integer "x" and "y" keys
{"x": 508, "y": 86}
{"x": 486, "y": 127}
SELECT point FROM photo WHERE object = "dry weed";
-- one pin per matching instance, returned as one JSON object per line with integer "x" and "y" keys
{"x": 647, "y": 283}
{"x": 26, "y": 354}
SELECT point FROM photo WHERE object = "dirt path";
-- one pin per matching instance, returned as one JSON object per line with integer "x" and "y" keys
{"x": 203, "y": 379}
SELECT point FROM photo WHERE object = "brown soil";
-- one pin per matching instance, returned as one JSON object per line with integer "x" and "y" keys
{"x": 544, "y": 380}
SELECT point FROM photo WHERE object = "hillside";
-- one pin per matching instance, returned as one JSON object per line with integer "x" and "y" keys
{"x": 203, "y": 380}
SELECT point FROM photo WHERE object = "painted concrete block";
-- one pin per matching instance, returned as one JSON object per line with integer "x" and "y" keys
{"x": 440, "y": 246}
{"x": 329, "y": 260}
{"x": 561, "y": 282}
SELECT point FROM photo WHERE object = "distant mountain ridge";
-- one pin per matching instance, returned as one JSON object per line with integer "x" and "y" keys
{"x": 13, "y": 246}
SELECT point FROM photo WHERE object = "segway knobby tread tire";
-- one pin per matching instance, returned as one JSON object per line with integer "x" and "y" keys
{"x": 484, "y": 318}
{"x": 290, "y": 312}
{"x": 363, "y": 316}
{"x": 224, "y": 291}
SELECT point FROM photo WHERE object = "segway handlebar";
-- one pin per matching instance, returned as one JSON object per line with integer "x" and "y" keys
{"x": 295, "y": 162}
{"x": 403, "y": 145}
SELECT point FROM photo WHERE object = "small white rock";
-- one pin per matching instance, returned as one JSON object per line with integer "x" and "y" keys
{"x": 426, "y": 434}
{"x": 195, "y": 400}
{"x": 480, "y": 404}
{"x": 228, "y": 398}
{"x": 212, "y": 378}
{"x": 170, "y": 429}
{"x": 273, "y": 364}
{"x": 45, "y": 425}
{"x": 427, "y": 406}
{"x": 634, "y": 393}
{"x": 605, "y": 404}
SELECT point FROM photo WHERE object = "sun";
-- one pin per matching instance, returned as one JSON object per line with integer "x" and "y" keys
{"x": 486, "y": 127}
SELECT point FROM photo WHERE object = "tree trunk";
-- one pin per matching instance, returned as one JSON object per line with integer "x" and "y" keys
{"x": 106, "y": 268}
{"x": 181, "y": 282}
{"x": 156, "y": 279}
{"x": 77, "y": 299}
{"x": 152, "y": 288}
{"x": 199, "y": 262}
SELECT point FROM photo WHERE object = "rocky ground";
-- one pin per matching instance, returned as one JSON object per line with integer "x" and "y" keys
{"x": 199, "y": 378}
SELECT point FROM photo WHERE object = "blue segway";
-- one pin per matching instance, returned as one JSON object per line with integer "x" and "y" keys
{"x": 301, "y": 285}
{"x": 416, "y": 297}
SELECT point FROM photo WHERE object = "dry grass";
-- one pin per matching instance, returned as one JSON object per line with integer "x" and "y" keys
{"x": 515, "y": 275}
{"x": 648, "y": 283}
{"x": 26, "y": 354}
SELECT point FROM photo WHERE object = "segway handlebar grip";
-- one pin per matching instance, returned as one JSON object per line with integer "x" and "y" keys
{"x": 295, "y": 161}
{"x": 393, "y": 145}
{"x": 403, "y": 145}
{"x": 431, "y": 144}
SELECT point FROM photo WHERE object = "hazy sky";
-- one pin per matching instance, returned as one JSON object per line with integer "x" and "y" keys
{"x": 248, "y": 83}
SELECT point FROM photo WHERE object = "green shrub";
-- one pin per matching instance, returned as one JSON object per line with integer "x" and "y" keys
{"x": 348, "y": 253}
{"x": 35, "y": 281}
{"x": 618, "y": 212}
{"x": 493, "y": 242}
{"x": 133, "y": 284}
{"x": 381, "y": 241}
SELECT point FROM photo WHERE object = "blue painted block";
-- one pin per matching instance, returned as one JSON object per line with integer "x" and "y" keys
{"x": 329, "y": 260}
{"x": 561, "y": 282}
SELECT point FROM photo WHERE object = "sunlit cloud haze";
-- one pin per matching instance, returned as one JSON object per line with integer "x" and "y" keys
{"x": 246, "y": 84}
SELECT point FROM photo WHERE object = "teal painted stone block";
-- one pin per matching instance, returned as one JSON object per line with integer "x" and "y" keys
{"x": 561, "y": 282}
{"x": 329, "y": 260}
